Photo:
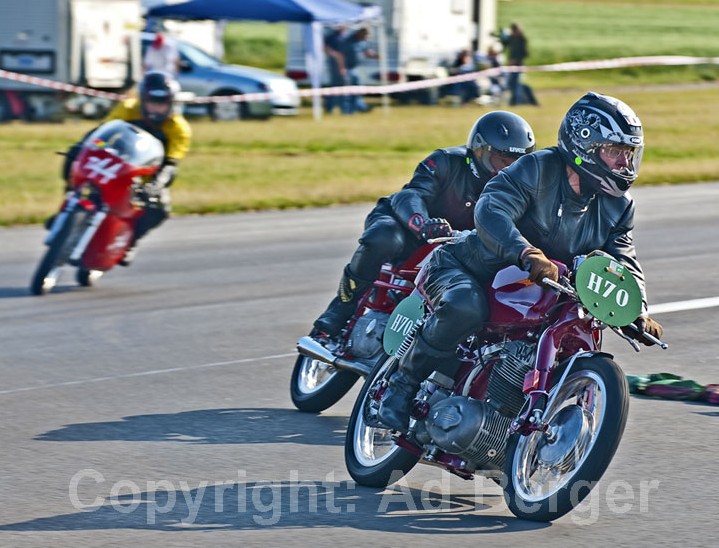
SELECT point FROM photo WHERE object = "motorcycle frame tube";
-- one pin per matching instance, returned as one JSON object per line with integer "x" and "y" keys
{"x": 381, "y": 286}
{"x": 570, "y": 328}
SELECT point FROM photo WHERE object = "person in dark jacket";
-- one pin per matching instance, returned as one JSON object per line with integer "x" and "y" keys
{"x": 517, "y": 50}
{"x": 557, "y": 202}
{"x": 440, "y": 197}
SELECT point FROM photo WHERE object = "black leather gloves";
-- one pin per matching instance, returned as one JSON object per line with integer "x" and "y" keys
{"x": 643, "y": 324}
{"x": 539, "y": 267}
{"x": 426, "y": 229}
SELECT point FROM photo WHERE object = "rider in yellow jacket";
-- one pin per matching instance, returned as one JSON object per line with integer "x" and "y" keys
{"x": 154, "y": 111}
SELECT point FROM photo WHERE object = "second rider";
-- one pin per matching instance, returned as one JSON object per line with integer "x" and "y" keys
{"x": 439, "y": 198}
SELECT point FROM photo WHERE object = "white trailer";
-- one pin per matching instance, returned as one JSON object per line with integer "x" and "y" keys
{"x": 93, "y": 43}
{"x": 422, "y": 38}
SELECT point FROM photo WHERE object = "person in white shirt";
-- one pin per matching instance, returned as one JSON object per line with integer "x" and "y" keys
{"x": 162, "y": 55}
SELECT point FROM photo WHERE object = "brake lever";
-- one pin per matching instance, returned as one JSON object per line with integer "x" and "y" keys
{"x": 566, "y": 289}
{"x": 635, "y": 344}
{"x": 647, "y": 336}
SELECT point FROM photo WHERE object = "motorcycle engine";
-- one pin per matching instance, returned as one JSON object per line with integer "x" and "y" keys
{"x": 366, "y": 338}
{"x": 471, "y": 429}
{"x": 515, "y": 359}
{"x": 477, "y": 430}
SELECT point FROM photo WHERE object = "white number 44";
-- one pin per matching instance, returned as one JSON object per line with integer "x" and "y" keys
{"x": 102, "y": 168}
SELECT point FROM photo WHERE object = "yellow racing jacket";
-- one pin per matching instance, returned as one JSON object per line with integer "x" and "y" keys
{"x": 175, "y": 132}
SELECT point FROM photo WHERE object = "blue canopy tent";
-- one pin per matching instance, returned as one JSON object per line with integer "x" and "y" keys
{"x": 313, "y": 12}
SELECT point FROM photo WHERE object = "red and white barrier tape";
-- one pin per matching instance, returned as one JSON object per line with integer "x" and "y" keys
{"x": 666, "y": 60}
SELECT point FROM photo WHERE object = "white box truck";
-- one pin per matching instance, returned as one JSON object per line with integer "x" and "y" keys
{"x": 92, "y": 43}
{"x": 422, "y": 37}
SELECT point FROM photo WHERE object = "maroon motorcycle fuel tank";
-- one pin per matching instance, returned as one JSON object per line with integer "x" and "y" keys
{"x": 514, "y": 300}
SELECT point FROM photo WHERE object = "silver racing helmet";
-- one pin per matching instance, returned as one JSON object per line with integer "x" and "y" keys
{"x": 595, "y": 130}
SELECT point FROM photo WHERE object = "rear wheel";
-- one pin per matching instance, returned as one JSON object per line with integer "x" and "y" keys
{"x": 371, "y": 457}
{"x": 316, "y": 386}
{"x": 548, "y": 474}
{"x": 86, "y": 277}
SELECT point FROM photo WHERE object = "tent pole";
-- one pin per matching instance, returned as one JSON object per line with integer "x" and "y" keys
{"x": 382, "y": 46}
{"x": 314, "y": 62}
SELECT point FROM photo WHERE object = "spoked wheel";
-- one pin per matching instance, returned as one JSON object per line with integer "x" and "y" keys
{"x": 316, "y": 386}
{"x": 86, "y": 277}
{"x": 549, "y": 473}
{"x": 372, "y": 458}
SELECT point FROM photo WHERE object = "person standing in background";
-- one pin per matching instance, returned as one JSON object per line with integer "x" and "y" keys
{"x": 517, "y": 49}
{"x": 162, "y": 56}
{"x": 343, "y": 48}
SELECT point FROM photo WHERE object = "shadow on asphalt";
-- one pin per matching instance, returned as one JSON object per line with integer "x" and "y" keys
{"x": 212, "y": 426}
{"x": 14, "y": 292}
{"x": 285, "y": 504}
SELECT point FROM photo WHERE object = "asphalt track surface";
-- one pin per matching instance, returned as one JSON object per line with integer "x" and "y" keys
{"x": 154, "y": 408}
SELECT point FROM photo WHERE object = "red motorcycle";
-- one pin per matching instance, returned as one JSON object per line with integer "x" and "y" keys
{"x": 95, "y": 225}
{"x": 323, "y": 374}
{"x": 536, "y": 405}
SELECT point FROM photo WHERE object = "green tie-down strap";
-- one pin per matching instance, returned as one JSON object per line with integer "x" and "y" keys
{"x": 667, "y": 386}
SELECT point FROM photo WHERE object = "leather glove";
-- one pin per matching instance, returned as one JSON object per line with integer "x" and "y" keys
{"x": 539, "y": 266}
{"x": 426, "y": 229}
{"x": 643, "y": 324}
{"x": 435, "y": 228}
{"x": 166, "y": 174}
{"x": 416, "y": 223}
{"x": 153, "y": 189}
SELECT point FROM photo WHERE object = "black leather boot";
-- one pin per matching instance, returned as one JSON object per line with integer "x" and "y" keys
{"x": 343, "y": 305}
{"x": 415, "y": 366}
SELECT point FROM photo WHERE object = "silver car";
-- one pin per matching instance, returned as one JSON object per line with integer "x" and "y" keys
{"x": 204, "y": 75}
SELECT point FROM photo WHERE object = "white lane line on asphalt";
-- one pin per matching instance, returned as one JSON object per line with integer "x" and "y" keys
{"x": 146, "y": 373}
{"x": 678, "y": 306}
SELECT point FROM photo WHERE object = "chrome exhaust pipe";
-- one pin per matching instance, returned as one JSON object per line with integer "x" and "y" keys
{"x": 310, "y": 348}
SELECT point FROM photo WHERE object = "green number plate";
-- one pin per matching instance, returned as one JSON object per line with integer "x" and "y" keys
{"x": 401, "y": 322}
{"x": 608, "y": 290}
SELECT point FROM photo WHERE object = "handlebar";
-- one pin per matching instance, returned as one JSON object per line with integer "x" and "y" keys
{"x": 567, "y": 290}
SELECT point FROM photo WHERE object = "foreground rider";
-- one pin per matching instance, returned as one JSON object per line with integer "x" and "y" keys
{"x": 153, "y": 111}
{"x": 558, "y": 202}
{"x": 439, "y": 198}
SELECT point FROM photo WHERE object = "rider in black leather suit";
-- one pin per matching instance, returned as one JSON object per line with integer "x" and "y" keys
{"x": 440, "y": 197}
{"x": 562, "y": 201}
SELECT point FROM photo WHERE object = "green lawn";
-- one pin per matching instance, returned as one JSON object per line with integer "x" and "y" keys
{"x": 294, "y": 162}
{"x": 297, "y": 161}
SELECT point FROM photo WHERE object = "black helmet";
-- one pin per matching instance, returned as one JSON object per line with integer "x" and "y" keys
{"x": 157, "y": 96}
{"x": 598, "y": 127}
{"x": 497, "y": 139}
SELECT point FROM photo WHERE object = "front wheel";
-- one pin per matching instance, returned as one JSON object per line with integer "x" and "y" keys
{"x": 316, "y": 386}
{"x": 549, "y": 473}
{"x": 48, "y": 271}
{"x": 371, "y": 457}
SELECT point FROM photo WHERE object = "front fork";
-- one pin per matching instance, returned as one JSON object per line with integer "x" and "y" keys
{"x": 71, "y": 205}
{"x": 86, "y": 237}
{"x": 61, "y": 217}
